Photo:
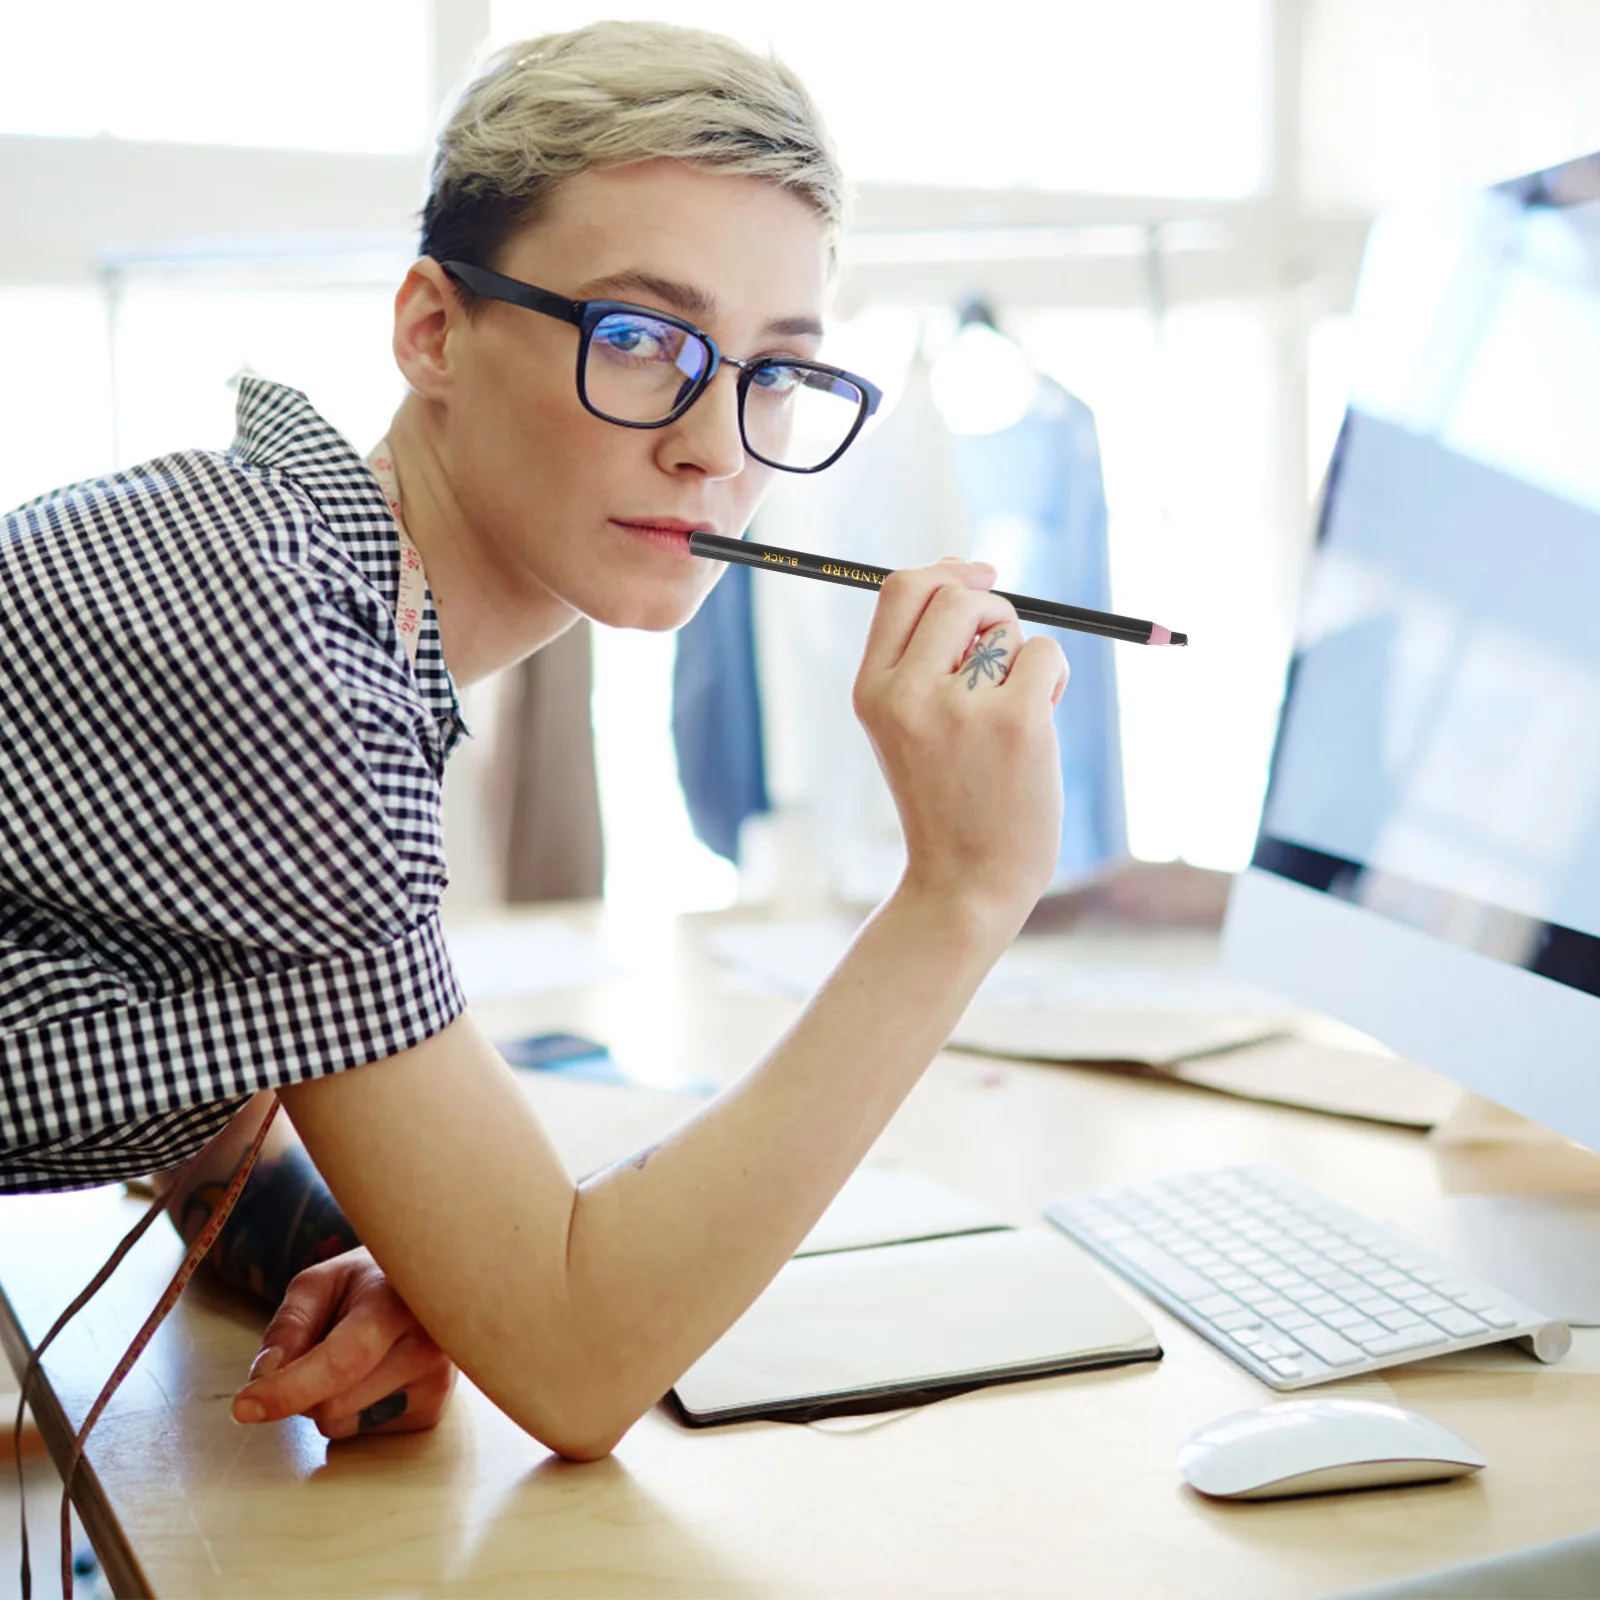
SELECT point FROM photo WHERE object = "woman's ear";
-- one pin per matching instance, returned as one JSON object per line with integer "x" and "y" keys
{"x": 427, "y": 312}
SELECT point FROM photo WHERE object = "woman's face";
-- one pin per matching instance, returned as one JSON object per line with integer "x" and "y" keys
{"x": 564, "y": 500}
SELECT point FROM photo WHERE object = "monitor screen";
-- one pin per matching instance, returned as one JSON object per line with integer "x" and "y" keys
{"x": 1438, "y": 757}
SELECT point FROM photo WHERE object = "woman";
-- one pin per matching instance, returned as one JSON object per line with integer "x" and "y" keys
{"x": 229, "y": 692}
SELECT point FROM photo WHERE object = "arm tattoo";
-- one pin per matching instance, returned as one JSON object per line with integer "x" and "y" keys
{"x": 987, "y": 658}
{"x": 285, "y": 1221}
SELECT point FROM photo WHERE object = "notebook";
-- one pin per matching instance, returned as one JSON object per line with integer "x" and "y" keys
{"x": 907, "y": 1292}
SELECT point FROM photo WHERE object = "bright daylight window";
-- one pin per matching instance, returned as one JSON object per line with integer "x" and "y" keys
{"x": 199, "y": 72}
{"x": 181, "y": 336}
{"x": 1159, "y": 97}
{"x": 1075, "y": 97}
{"x": 55, "y": 407}
{"x": 1153, "y": 97}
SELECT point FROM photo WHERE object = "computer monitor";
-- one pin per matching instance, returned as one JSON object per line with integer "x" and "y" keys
{"x": 1428, "y": 861}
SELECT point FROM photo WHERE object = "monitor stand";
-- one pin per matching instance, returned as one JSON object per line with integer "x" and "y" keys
{"x": 1543, "y": 1248}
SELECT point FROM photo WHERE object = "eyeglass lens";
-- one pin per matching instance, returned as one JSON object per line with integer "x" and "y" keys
{"x": 638, "y": 369}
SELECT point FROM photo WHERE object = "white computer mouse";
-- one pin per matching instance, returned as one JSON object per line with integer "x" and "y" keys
{"x": 1315, "y": 1446}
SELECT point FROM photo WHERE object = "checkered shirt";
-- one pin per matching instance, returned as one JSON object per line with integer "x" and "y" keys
{"x": 220, "y": 846}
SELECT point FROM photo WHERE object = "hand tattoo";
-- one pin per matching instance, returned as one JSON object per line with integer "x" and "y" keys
{"x": 285, "y": 1221}
{"x": 986, "y": 658}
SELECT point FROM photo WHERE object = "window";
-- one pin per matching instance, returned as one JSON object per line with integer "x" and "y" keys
{"x": 302, "y": 74}
{"x": 181, "y": 336}
{"x": 1144, "y": 96}
{"x": 55, "y": 405}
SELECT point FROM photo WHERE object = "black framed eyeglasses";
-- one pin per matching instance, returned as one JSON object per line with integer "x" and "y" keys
{"x": 641, "y": 368}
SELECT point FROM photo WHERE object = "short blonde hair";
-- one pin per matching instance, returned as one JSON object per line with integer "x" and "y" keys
{"x": 605, "y": 96}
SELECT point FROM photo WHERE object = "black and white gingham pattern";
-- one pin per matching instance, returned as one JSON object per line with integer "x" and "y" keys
{"x": 220, "y": 846}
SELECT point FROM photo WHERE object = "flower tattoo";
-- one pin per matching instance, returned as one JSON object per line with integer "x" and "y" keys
{"x": 988, "y": 659}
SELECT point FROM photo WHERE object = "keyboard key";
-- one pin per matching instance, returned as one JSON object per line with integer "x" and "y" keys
{"x": 1238, "y": 1322}
{"x": 1430, "y": 1304}
{"x": 1337, "y": 1280}
{"x": 1497, "y": 1317}
{"x": 1325, "y": 1304}
{"x": 1386, "y": 1279}
{"x": 1234, "y": 1281}
{"x": 1274, "y": 1307}
{"x": 1285, "y": 1367}
{"x": 1283, "y": 1282}
{"x": 1290, "y": 1321}
{"x": 1364, "y": 1332}
{"x": 1171, "y": 1275}
{"x": 1328, "y": 1346}
{"x": 1396, "y": 1320}
{"x": 1459, "y": 1323}
{"x": 1346, "y": 1318}
{"x": 1406, "y": 1339}
{"x": 1215, "y": 1305}
{"x": 1254, "y": 1297}
{"x": 1374, "y": 1304}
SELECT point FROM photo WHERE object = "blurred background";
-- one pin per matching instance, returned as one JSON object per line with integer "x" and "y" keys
{"x": 1139, "y": 220}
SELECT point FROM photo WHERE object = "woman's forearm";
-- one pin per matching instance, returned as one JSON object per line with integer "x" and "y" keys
{"x": 666, "y": 1249}
{"x": 575, "y": 1307}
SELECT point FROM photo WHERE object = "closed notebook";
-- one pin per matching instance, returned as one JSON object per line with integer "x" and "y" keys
{"x": 894, "y": 1324}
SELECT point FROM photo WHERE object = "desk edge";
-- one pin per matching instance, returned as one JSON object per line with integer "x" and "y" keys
{"x": 89, "y": 1497}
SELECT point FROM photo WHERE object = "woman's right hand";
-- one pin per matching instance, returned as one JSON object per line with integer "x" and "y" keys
{"x": 958, "y": 707}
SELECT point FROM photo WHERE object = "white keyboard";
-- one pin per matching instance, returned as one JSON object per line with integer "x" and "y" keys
{"x": 1294, "y": 1286}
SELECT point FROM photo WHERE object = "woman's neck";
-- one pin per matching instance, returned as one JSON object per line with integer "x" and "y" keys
{"x": 485, "y": 622}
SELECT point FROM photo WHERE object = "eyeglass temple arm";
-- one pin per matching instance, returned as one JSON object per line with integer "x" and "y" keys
{"x": 494, "y": 286}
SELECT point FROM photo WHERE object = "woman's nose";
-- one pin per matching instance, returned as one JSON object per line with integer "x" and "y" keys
{"x": 706, "y": 438}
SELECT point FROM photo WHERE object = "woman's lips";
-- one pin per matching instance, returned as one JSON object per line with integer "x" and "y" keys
{"x": 667, "y": 535}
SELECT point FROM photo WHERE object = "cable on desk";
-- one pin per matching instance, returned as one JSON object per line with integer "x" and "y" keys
{"x": 203, "y": 1241}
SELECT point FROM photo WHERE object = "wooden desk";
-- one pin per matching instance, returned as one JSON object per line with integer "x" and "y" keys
{"x": 1059, "y": 1486}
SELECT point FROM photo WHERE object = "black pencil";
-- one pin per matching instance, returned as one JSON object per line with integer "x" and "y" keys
{"x": 858, "y": 575}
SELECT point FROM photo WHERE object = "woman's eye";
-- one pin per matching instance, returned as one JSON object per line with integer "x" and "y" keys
{"x": 777, "y": 380}
{"x": 631, "y": 339}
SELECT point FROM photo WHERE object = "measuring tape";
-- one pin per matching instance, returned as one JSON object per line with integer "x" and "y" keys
{"x": 411, "y": 598}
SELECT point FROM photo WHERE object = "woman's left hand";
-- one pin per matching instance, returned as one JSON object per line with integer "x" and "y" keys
{"x": 345, "y": 1350}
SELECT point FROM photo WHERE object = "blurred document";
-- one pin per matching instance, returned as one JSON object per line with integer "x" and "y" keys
{"x": 509, "y": 960}
{"x": 794, "y": 958}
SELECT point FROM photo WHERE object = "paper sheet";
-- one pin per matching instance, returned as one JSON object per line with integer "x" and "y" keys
{"x": 794, "y": 958}
{"x": 1143, "y": 1038}
{"x": 526, "y": 956}
{"x": 1319, "y": 1077}
{"x": 892, "y": 1205}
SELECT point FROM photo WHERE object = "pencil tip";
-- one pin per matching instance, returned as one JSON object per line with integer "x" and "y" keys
{"x": 1179, "y": 638}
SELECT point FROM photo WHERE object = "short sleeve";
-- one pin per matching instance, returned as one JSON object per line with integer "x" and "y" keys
{"x": 219, "y": 809}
